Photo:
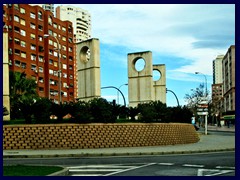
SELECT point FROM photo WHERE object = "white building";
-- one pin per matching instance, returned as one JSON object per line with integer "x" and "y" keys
{"x": 217, "y": 70}
{"x": 47, "y": 7}
{"x": 80, "y": 18}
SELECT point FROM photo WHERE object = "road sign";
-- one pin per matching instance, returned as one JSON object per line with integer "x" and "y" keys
{"x": 202, "y": 113}
{"x": 202, "y": 105}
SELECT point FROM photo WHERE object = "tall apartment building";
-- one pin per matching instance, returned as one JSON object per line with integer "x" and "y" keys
{"x": 228, "y": 74}
{"x": 46, "y": 7}
{"x": 81, "y": 20}
{"x": 217, "y": 69}
{"x": 41, "y": 46}
{"x": 217, "y": 86}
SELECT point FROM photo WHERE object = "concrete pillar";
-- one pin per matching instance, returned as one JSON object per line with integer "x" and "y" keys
{"x": 159, "y": 86}
{"x": 140, "y": 83}
{"x": 88, "y": 69}
{"x": 6, "y": 93}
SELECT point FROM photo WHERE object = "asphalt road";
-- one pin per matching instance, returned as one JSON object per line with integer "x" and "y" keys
{"x": 204, "y": 164}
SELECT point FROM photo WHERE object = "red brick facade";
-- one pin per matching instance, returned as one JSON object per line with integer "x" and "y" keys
{"x": 37, "y": 56}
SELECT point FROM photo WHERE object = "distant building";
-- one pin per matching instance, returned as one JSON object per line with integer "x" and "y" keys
{"x": 80, "y": 18}
{"x": 217, "y": 69}
{"x": 46, "y": 7}
{"x": 228, "y": 70}
{"x": 81, "y": 21}
{"x": 32, "y": 52}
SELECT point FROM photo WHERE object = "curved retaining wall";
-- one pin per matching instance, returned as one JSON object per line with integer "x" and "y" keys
{"x": 80, "y": 136}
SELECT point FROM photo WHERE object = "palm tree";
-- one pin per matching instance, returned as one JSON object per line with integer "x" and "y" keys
{"x": 22, "y": 95}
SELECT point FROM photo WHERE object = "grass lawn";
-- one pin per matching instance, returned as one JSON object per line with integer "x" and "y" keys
{"x": 21, "y": 170}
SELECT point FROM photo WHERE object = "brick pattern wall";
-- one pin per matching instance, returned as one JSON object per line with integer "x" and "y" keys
{"x": 81, "y": 136}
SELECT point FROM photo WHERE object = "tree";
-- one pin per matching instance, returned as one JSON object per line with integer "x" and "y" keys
{"x": 101, "y": 110}
{"x": 60, "y": 110}
{"x": 194, "y": 97}
{"x": 80, "y": 112}
{"x": 133, "y": 112}
{"x": 42, "y": 110}
{"x": 22, "y": 95}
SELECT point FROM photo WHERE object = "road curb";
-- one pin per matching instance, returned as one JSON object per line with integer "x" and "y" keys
{"x": 117, "y": 154}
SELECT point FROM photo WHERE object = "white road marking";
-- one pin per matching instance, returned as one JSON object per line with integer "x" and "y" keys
{"x": 166, "y": 164}
{"x": 192, "y": 165}
{"x": 224, "y": 167}
{"x": 124, "y": 170}
{"x": 213, "y": 172}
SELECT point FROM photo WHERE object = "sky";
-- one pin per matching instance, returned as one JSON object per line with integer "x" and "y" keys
{"x": 184, "y": 37}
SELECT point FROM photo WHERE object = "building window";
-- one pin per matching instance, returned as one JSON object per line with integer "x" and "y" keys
{"x": 64, "y": 66}
{"x": 22, "y": 10}
{"x": 40, "y": 28}
{"x": 64, "y": 29}
{"x": 50, "y": 71}
{"x": 17, "y": 63}
{"x": 32, "y": 36}
{"x": 64, "y": 75}
{"x": 55, "y": 63}
{"x": 50, "y": 61}
{"x": 33, "y": 57}
{"x": 39, "y": 15}
{"x": 55, "y": 54}
{"x": 22, "y": 22}
{"x": 41, "y": 80}
{"x": 33, "y": 47}
{"x": 32, "y": 15}
{"x": 22, "y": 32}
{"x": 55, "y": 25}
{"x": 34, "y": 67}
{"x": 24, "y": 65}
{"x": 16, "y": 29}
{"x": 23, "y": 54}
{"x": 64, "y": 38}
{"x": 64, "y": 48}
{"x": 17, "y": 52}
{"x": 50, "y": 20}
{"x": 16, "y": 18}
{"x": 71, "y": 76}
{"x": 32, "y": 26}
{"x": 40, "y": 38}
{"x": 40, "y": 58}
{"x": 50, "y": 32}
{"x": 70, "y": 67}
{"x": 55, "y": 73}
{"x": 17, "y": 41}
{"x": 23, "y": 43}
{"x": 70, "y": 49}
{"x": 41, "y": 69}
{"x": 16, "y": 6}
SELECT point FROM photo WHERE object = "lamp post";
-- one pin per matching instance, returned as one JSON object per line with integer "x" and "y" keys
{"x": 173, "y": 94}
{"x": 205, "y": 82}
{"x": 59, "y": 69}
{"x": 118, "y": 91}
{"x": 206, "y": 120}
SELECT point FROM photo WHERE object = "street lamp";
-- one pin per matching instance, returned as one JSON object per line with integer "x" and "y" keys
{"x": 174, "y": 95}
{"x": 118, "y": 91}
{"x": 205, "y": 81}
{"x": 59, "y": 69}
{"x": 124, "y": 100}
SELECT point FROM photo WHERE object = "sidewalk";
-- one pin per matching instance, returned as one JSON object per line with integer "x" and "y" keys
{"x": 207, "y": 143}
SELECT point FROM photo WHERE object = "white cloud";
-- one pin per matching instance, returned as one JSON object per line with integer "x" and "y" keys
{"x": 175, "y": 30}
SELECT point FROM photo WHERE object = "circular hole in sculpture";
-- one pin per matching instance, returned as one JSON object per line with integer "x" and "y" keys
{"x": 85, "y": 54}
{"x": 140, "y": 64}
{"x": 156, "y": 75}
